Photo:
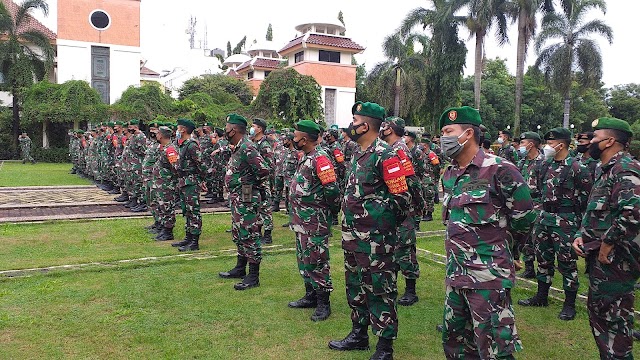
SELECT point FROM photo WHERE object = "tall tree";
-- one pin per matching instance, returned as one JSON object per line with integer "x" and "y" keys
{"x": 269, "y": 36}
{"x": 229, "y": 50}
{"x": 524, "y": 12}
{"x": 572, "y": 48}
{"x": 341, "y": 19}
{"x": 25, "y": 53}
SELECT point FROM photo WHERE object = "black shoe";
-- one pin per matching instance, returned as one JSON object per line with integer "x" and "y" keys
{"x": 323, "y": 310}
{"x": 357, "y": 339}
{"x": 286, "y": 224}
{"x": 529, "y": 270}
{"x": 115, "y": 191}
{"x": 122, "y": 198}
{"x": 428, "y": 217}
{"x": 335, "y": 221}
{"x": 152, "y": 226}
{"x": 228, "y": 230}
{"x": 133, "y": 202}
{"x": 636, "y": 335}
{"x": 212, "y": 201}
{"x": 107, "y": 186}
{"x": 275, "y": 207}
{"x": 439, "y": 328}
{"x": 409, "y": 298}
{"x": 140, "y": 208}
{"x": 309, "y": 300}
{"x": 238, "y": 272}
{"x": 165, "y": 234}
{"x": 541, "y": 298}
{"x": 384, "y": 350}
{"x": 192, "y": 245}
{"x": 569, "y": 308}
{"x": 267, "y": 239}
{"x": 185, "y": 241}
{"x": 636, "y": 286}
{"x": 251, "y": 280}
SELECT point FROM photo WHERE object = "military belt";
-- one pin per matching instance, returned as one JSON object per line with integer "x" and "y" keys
{"x": 557, "y": 209}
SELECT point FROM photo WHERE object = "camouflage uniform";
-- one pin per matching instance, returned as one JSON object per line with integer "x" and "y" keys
{"x": 191, "y": 174}
{"x": 219, "y": 164}
{"x": 165, "y": 184}
{"x": 612, "y": 215}
{"x": 529, "y": 169}
{"x": 247, "y": 168}
{"x": 486, "y": 206}
{"x": 314, "y": 196}
{"x": 25, "y": 148}
{"x": 266, "y": 151}
{"x": 590, "y": 163}
{"x": 119, "y": 141}
{"x": 564, "y": 190}
{"x": 151, "y": 155}
{"x": 137, "y": 147}
{"x": 375, "y": 202}
{"x": 508, "y": 152}
{"x": 283, "y": 182}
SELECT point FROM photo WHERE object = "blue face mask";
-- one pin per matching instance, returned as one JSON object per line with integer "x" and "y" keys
{"x": 252, "y": 131}
{"x": 522, "y": 150}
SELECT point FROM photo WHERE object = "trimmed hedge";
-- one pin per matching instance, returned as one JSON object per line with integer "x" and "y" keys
{"x": 51, "y": 155}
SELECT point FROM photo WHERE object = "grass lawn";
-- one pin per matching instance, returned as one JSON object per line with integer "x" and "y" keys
{"x": 180, "y": 308}
{"x": 39, "y": 174}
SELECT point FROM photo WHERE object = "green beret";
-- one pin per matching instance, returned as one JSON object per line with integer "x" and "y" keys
{"x": 334, "y": 127}
{"x": 369, "y": 109}
{"x": 208, "y": 124}
{"x": 80, "y": 131}
{"x": 530, "y": 135}
{"x": 236, "y": 119}
{"x": 270, "y": 131}
{"x": 425, "y": 140}
{"x": 334, "y": 132}
{"x": 396, "y": 121}
{"x": 289, "y": 135}
{"x": 120, "y": 123}
{"x": 154, "y": 124}
{"x": 173, "y": 126}
{"x": 308, "y": 126}
{"x": 260, "y": 122}
{"x": 460, "y": 115}
{"x": 278, "y": 132}
{"x": 110, "y": 124}
{"x": 588, "y": 135}
{"x": 411, "y": 134}
{"x": 134, "y": 122}
{"x": 187, "y": 123}
{"x": 558, "y": 133}
{"x": 611, "y": 123}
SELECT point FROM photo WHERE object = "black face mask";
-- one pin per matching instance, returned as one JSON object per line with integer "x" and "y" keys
{"x": 352, "y": 132}
{"x": 296, "y": 144}
{"x": 583, "y": 148}
{"x": 227, "y": 135}
{"x": 594, "y": 150}
{"x": 382, "y": 135}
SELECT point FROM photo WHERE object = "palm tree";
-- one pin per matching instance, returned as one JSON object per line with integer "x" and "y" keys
{"x": 573, "y": 49}
{"x": 524, "y": 12}
{"x": 25, "y": 53}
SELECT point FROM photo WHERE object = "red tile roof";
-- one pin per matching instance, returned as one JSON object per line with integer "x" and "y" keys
{"x": 259, "y": 62}
{"x": 234, "y": 74}
{"x": 324, "y": 40}
{"x": 145, "y": 71}
{"x": 30, "y": 22}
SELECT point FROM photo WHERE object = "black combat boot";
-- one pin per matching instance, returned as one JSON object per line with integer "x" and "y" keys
{"x": 569, "y": 308}
{"x": 142, "y": 207}
{"x": 275, "y": 207}
{"x": 636, "y": 335}
{"x": 122, "y": 198}
{"x": 185, "y": 241}
{"x": 541, "y": 298}
{"x": 165, "y": 234}
{"x": 152, "y": 226}
{"x": 357, "y": 339}
{"x": 428, "y": 216}
{"x": 529, "y": 270}
{"x": 384, "y": 350}
{"x": 251, "y": 280}
{"x": 115, "y": 191}
{"x": 309, "y": 300}
{"x": 323, "y": 310}
{"x": 409, "y": 298}
{"x": 417, "y": 224}
{"x": 192, "y": 245}
{"x": 238, "y": 272}
{"x": 133, "y": 202}
{"x": 267, "y": 239}
{"x": 107, "y": 186}
{"x": 286, "y": 224}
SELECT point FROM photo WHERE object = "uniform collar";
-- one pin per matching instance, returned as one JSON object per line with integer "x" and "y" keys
{"x": 477, "y": 160}
{"x": 615, "y": 159}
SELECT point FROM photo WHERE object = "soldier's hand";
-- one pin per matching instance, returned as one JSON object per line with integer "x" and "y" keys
{"x": 605, "y": 251}
{"x": 578, "y": 246}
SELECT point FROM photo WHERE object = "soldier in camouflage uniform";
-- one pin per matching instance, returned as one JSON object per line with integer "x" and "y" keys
{"x": 564, "y": 186}
{"x": 25, "y": 148}
{"x": 289, "y": 163}
{"x": 334, "y": 149}
{"x": 220, "y": 157}
{"x": 314, "y": 196}
{"x": 165, "y": 183}
{"x": 608, "y": 237}
{"x": 247, "y": 182}
{"x": 507, "y": 151}
{"x": 583, "y": 156}
{"x": 375, "y": 203}
{"x": 419, "y": 166}
{"x": 431, "y": 177}
{"x": 266, "y": 151}
{"x": 531, "y": 159}
{"x": 486, "y": 207}
{"x": 151, "y": 154}
{"x": 191, "y": 174}
{"x": 136, "y": 145}
{"x": 118, "y": 139}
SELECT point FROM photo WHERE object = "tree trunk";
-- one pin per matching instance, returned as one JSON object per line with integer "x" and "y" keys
{"x": 76, "y": 124}
{"x": 396, "y": 103}
{"x": 45, "y": 137}
{"x": 478, "y": 68}
{"x": 521, "y": 55}
{"x": 15, "y": 123}
{"x": 567, "y": 108}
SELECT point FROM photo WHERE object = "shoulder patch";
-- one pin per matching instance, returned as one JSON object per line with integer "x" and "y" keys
{"x": 338, "y": 155}
{"x": 172, "y": 154}
{"x": 393, "y": 175}
{"x": 407, "y": 165}
{"x": 325, "y": 170}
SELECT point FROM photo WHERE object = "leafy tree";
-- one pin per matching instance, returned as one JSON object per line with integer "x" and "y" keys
{"x": 341, "y": 19}
{"x": 25, "y": 54}
{"x": 82, "y": 103}
{"x": 240, "y": 45}
{"x": 143, "y": 103}
{"x": 269, "y": 36}
{"x": 229, "y": 50}
{"x": 573, "y": 48}
{"x": 624, "y": 102}
{"x": 289, "y": 96}
{"x": 221, "y": 88}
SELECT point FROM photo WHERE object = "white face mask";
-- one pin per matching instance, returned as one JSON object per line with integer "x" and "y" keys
{"x": 500, "y": 141}
{"x": 549, "y": 151}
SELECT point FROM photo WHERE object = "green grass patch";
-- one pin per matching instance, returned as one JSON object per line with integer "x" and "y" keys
{"x": 39, "y": 174}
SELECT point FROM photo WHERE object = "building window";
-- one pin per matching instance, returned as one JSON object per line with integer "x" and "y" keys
{"x": 299, "y": 57}
{"x": 329, "y": 56}
{"x": 99, "y": 19}
{"x": 266, "y": 73}
{"x": 250, "y": 75}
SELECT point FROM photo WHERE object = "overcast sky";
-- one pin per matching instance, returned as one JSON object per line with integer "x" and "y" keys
{"x": 165, "y": 44}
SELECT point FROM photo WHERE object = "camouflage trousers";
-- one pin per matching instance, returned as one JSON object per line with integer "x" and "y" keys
{"x": 246, "y": 227}
{"x": 405, "y": 251}
{"x": 610, "y": 305}
{"x": 372, "y": 291}
{"x": 528, "y": 250}
{"x": 280, "y": 190}
{"x": 312, "y": 253}
{"x": 265, "y": 212}
{"x": 190, "y": 202}
{"x": 428, "y": 192}
{"x": 551, "y": 242}
{"x": 151, "y": 198}
{"x": 165, "y": 198}
{"x": 479, "y": 324}
{"x": 26, "y": 155}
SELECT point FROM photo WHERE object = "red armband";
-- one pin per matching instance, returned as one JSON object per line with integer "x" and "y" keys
{"x": 393, "y": 176}
{"x": 338, "y": 155}
{"x": 406, "y": 163}
{"x": 325, "y": 170}
{"x": 172, "y": 154}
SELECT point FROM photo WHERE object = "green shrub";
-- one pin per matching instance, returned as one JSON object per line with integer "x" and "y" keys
{"x": 50, "y": 155}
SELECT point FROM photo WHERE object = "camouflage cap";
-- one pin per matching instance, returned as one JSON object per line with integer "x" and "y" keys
{"x": 558, "y": 133}
{"x": 396, "y": 121}
{"x": 369, "y": 109}
{"x": 460, "y": 115}
{"x": 611, "y": 123}
{"x": 165, "y": 131}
